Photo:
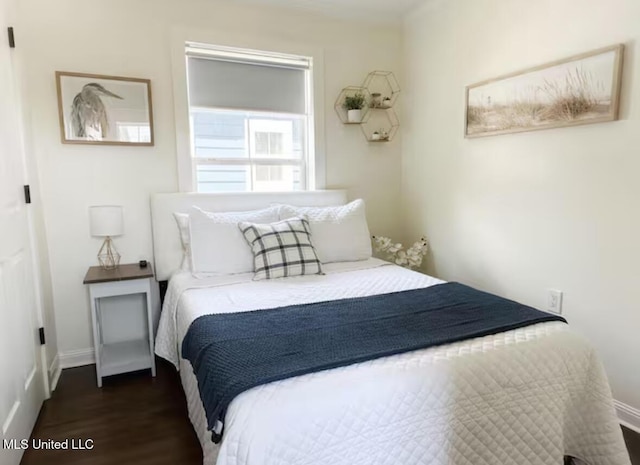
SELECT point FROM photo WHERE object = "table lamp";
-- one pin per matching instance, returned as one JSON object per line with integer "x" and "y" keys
{"x": 106, "y": 221}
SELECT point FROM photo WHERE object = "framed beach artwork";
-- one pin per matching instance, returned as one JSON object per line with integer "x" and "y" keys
{"x": 578, "y": 90}
{"x": 104, "y": 110}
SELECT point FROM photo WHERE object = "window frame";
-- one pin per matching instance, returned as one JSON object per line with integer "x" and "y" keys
{"x": 315, "y": 164}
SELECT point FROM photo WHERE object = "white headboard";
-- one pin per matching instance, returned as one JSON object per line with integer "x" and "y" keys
{"x": 167, "y": 248}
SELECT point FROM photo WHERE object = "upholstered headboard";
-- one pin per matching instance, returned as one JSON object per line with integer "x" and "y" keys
{"x": 167, "y": 248}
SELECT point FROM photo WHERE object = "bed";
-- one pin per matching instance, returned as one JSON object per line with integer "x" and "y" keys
{"x": 532, "y": 395}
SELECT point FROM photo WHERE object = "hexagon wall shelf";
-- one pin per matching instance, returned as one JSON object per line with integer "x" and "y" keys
{"x": 378, "y": 115}
{"x": 351, "y": 91}
{"x": 385, "y": 122}
{"x": 383, "y": 83}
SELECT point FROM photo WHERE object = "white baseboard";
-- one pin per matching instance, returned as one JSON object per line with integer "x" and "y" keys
{"x": 77, "y": 358}
{"x": 54, "y": 373}
{"x": 628, "y": 415}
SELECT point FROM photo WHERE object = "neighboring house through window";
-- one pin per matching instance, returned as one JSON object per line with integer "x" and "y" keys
{"x": 251, "y": 119}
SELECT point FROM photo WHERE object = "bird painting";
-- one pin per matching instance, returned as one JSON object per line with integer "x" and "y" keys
{"x": 89, "y": 119}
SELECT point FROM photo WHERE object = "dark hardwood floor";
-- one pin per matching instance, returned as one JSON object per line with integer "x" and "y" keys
{"x": 633, "y": 444}
{"x": 133, "y": 419}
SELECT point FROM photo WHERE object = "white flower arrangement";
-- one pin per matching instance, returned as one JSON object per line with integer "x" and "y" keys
{"x": 395, "y": 253}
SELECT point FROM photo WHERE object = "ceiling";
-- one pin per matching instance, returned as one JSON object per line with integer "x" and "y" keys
{"x": 367, "y": 10}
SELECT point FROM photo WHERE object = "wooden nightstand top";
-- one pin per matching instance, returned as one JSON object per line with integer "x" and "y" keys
{"x": 123, "y": 273}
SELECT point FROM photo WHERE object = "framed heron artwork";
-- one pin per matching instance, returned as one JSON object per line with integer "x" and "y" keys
{"x": 104, "y": 110}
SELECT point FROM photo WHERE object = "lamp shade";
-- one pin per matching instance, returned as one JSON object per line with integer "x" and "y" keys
{"x": 106, "y": 220}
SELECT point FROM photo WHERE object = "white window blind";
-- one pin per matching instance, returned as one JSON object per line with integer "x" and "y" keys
{"x": 241, "y": 86}
{"x": 250, "y": 119}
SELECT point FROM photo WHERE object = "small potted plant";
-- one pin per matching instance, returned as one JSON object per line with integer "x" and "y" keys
{"x": 386, "y": 103}
{"x": 375, "y": 136}
{"x": 354, "y": 105}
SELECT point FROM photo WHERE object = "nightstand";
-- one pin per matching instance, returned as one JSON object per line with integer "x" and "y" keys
{"x": 118, "y": 347}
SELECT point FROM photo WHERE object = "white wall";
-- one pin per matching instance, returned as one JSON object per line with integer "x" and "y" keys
{"x": 133, "y": 38}
{"x": 520, "y": 214}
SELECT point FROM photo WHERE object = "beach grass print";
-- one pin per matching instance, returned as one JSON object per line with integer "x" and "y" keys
{"x": 579, "y": 90}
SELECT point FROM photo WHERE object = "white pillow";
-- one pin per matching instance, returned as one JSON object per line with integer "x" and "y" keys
{"x": 182, "y": 220}
{"x": 339, "y": 234}
{"x": 217, "y": 245}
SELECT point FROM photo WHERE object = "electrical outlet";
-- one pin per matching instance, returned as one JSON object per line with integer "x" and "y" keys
{"x": 554, "y": 301}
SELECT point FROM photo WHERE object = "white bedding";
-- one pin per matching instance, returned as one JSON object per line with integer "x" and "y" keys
{"x": 528, "y": 396}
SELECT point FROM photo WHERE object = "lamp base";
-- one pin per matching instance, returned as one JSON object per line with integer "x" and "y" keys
{"x": 108, "y": 256}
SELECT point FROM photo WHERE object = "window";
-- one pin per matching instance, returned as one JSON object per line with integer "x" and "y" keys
{"x": 251, "y": 119}
{"x": 134, "y": 132}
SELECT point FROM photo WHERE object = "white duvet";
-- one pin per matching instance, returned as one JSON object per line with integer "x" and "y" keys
{"x": 528, "y": 396}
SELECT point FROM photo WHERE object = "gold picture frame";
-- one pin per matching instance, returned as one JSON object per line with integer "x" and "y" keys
{"x": 581, "y": 89}
{"x": 96, "y": 109}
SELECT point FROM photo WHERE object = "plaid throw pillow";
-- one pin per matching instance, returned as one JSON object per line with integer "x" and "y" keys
{"x": 281, "y": 249}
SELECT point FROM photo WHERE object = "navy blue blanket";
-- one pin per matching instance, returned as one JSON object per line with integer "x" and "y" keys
{"x": 231, "y": 353}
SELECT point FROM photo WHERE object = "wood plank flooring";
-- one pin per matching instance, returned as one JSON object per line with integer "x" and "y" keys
{"x": 133, "y": 419}
{"x": 633, "y": 444}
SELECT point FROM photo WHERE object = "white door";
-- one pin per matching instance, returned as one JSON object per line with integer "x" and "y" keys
{"x": 21, "y": 381}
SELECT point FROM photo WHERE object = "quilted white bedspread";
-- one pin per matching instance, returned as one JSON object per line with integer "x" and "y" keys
{"x": 528, "y": 396}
